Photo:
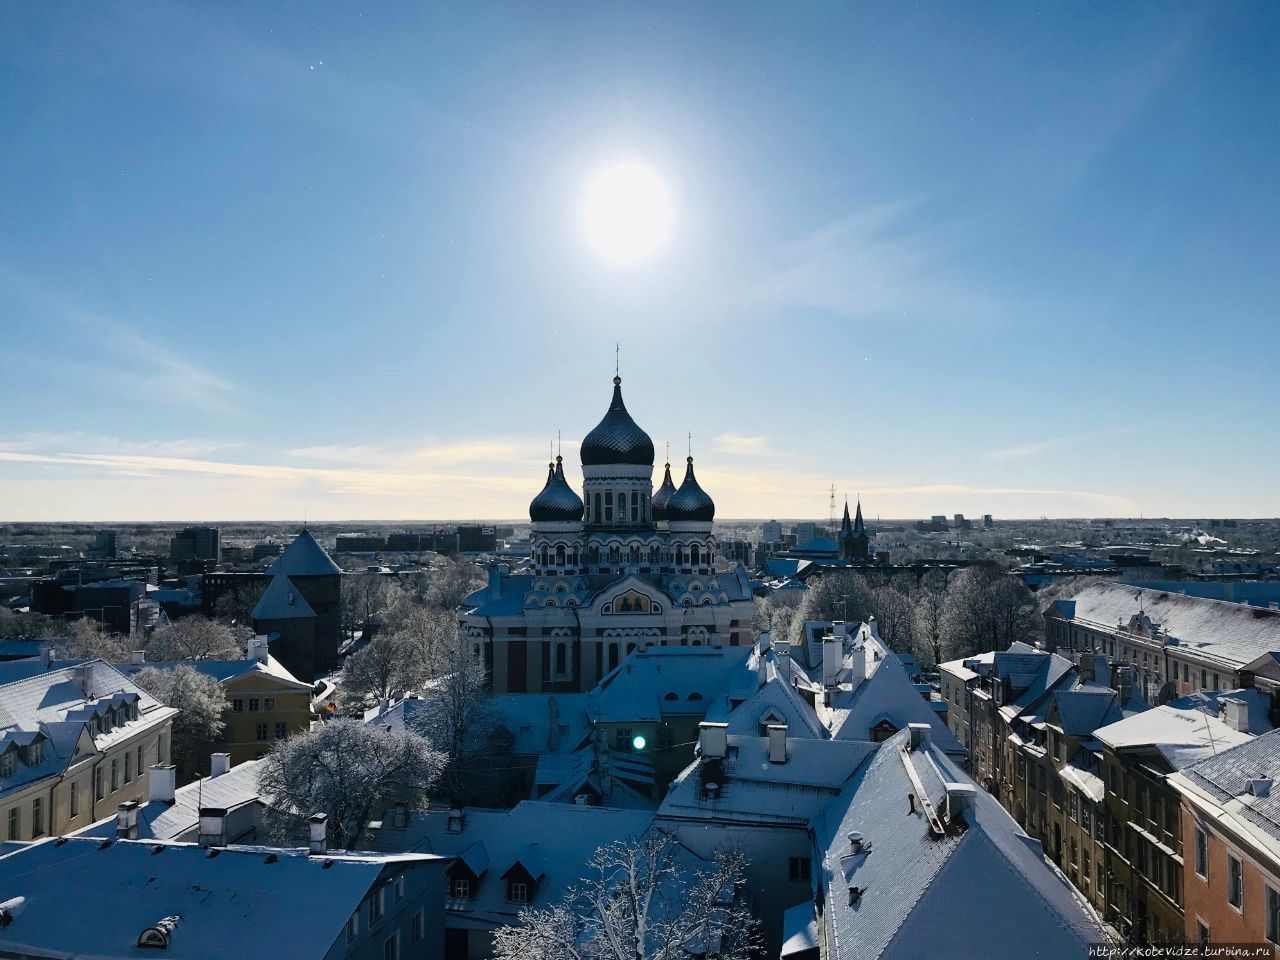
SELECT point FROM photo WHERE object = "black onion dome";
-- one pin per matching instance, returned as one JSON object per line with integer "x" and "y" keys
{"x": 691, "y": 502}
{"x": 617, "y": 438}
{"x": 662, "y": 495}
{"x": 557, "y": 501}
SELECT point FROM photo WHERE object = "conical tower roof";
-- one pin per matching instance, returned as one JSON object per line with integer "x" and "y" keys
{"x": 662, "y": 496}
{"x": 305, "y": 558}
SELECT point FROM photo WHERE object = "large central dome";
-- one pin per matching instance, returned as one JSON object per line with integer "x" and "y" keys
{"x": 617, "y": 438}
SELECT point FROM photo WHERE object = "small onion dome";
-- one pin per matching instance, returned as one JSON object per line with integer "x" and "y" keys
{"x": 617, "y": 438}
{"x": 557, "y": 501}
{"x": 690, "y": 502}
{"x": 662, "y": 495}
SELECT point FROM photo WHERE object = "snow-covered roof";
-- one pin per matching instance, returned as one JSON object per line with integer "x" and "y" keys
{"x": 86, "y": 897}
{"x": 1232, "y": 634}
{"x": 223, "y": 671}
{"x": 1258, "y": 705}
{"x": 663, "y": 681}
{"x": 305, "y": 558}
{"x": 544, "y": 723}
{"x": 754, "y": 789}
{"x": 776, "y": 701}
{"x": 282, "y": 601}
{"x": 799, "y": 929}
{"x": 913, "y": 887}
{"x": 1181, "y": 736}
{"x": 566, "y": 835}
{"x": 1225, "y": 777}
{"x": 1086, "y": 781}
{"x": 1079, "y": 710}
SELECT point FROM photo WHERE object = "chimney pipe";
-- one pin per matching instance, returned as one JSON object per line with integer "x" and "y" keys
{"x": 832, "y": 660}
{"x": 138, "y": 657}
{"x": 213, "y": 827}
{"x": 259, "y": 648}
{"x": 777, "y": 743}
{"x": 713, "y": 740}
{"x": 161, "y": 783}
{"x": 1235, "y": 712}
{"x": 319, "y": 825}
{"x": 1260, "y": 786}
{"x": 856, "y": 843}
{"x": 80, "y": 674}
{"x": 219, "y": 763}
{"x": 919, "y": 734}
{"x": 960, "y": 798}
{"x": 127, "y": 820}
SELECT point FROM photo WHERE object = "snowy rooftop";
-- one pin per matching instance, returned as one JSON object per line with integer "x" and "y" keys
{"x": 1225, "y": 778}
{"x": 223, "y": 670}
{"x": 1257, "y": 703}
{"x": 1233, "y": 634}
{"x": 1181, "y": 736}
{"x": 661, "y": 681}
{"x": 282, "y": 601}
{"x": 86, "y": 897}
{"x": 561, "y": 836}
{"x": 909, "y": 886}
{"x": 305, "y": 558}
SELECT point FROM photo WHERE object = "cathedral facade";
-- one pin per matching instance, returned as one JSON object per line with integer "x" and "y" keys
{"x": 620, "y": 567}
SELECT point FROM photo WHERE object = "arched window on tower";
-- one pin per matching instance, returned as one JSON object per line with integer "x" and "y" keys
{"x": 615, "y": 553}
{"x": 635, "y": 506}
{"x": 560, "y": 554}
{"x": 693, "y": 555}
{"x": 655, "y": 554}
{"x": 679, "y": 556}
{"x": 608, "y": 506}
{"x": 593, "y": 552}
{"x": 542, "y": 555}
{"x": 596, "y": 514}
{"x": 573, "y": 557}
{"x": 633, "y": 555}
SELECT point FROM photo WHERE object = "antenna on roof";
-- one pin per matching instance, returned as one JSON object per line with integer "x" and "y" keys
{"x": 691, "y": 445}
{"x": 617, "y": 359}
{"x": 557, "y": 443}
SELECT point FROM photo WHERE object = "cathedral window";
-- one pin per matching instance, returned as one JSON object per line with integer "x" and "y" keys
{"x": 560, "y": 554}
{"x": 596, "y": 514}
{"x": 635, "y": 506}
{"x": 608, "y": 506}
{"x": 679, "y": 556}
{"x": 543, "y": 555}
{"x": 562, "y": 659}
{"x": 693, "y": 555}
{"x": 633, "y": 555}
{"x": 594, "y": 551}
{"x": 615, "y": 553}
{"x": 655, "y": 554}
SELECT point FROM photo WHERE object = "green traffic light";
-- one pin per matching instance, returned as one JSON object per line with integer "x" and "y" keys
{"x": 638, "y": 742}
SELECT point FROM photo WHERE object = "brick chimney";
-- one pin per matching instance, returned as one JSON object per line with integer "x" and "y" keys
{"x": 127, "y": 820}
{"x": 219, "y": 763}
{"x": 777, "y": 743}
{"x": 319, "y": 838}
{"x": 213, "y": 827}
{"x": 713, "y": 740}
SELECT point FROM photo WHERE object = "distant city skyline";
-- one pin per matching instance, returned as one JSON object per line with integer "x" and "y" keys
{"x": 257, "y": 264}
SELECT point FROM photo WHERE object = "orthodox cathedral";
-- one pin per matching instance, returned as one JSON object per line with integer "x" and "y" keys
{"x": 620, "y": 567}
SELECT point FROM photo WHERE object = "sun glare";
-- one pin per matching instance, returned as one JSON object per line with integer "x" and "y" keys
{"x": 626, "y": 213}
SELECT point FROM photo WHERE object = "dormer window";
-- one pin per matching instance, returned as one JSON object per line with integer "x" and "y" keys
{"x": 8, "y": 763}
{"x": 460, "y": 888}
{"x": 35, "y": 753}
{"x": 517, "y": 891}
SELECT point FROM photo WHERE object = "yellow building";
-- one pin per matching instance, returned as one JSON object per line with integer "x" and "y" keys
{"x": 265, "y": 702}
{"x": 75, "y": 742}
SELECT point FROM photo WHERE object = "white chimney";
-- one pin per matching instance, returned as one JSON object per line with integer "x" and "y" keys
{"x": 80, "y": 674}
{"x": 919, "y": 734}
{"x": 856, "y": 842}
{"x": 219, "y": 763}
{"x": 319, "y": 840}
{"x": 858, "y": 665}
{"x": 832, "y": 660}
{"x": 1235, "y": 714}
{"x": 960, "y": 798}
{"x": 46, "y": 655}
{"x": 457, "y": 820}
{"x": 713, "y": 740}
{"x": 161, "y": 782}
{"x": 1260, "y": 786}
{"x": 213, "y": 827}
{"x": 127, "y": 820}
{"x": 782, "y": 659}
{"x": 839, "y": 629}
{"x": 765, "y": 640}
{"x": 138, "y": 657}
{"x": 259, "y": 648}
{"x": 777, "y": 743}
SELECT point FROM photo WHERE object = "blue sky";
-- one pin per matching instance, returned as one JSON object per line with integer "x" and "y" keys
{"x": 1009, "y": 258}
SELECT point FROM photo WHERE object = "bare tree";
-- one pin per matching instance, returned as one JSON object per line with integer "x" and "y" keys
{"x": 834, "y": 596}
{"x": 638, "y": 903}
{"x": 200, "y": 701}
{"x": 197, "y": 638}
{"x": 347, "y": 770}
{"x": 364, "y": 598}
{"x": 450, "y": 582}
{"x": 930, "y": 597}
{"x": 389, "y": 664}
{"x": 895, "y": 616}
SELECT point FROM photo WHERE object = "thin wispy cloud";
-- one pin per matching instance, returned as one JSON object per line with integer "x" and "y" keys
{"x": 1022, "y": 451}
{"x": 734, "y": 443}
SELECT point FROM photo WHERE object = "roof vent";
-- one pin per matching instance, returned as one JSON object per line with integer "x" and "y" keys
{"x": 10, "y": 909}
{"x": 855, "y": 895}
{"x": 712, "y": 790}
{"x": 1260, "y": 786}
{"x": 158, "y": 936}
{"x": 858, "y": 843}
{"x": 457, "y": 820}
{"x": 713, "y": 740}
{"x": 960, "y": 799}
{"x": 919, "y": 734}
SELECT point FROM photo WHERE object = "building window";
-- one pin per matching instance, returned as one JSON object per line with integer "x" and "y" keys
{"x": 377, "y": 905}
{"x": 1202, "y": 932}
{"x": 518, "y": 891}
{"x": 400, "y": 887}
{"x": 562, "y": 659}
{"x": 37, "y": 818}
{"x": 253, "y": 704}
{"x": 15, "y": 823}
{"x": 418, "y": 931}
{"x": 1202, "y": 854}
{"x": 269, "y": 703}
{"x": 141, "y": 768}
{"x": 391, "y": 948}
{"x": 1235, "y": 882}
{"x": 237, "y": 705}
{"x": 1273, "y": 916}
{"x": 128, "y": 768}
{"x": 460, "y": 888}
{"x": 73, "y": 802}
{"x": 798, "y": 869}
{"x": 282, "y": 730}
{"x": 622, "y": 739}
{"x": 261, "y": 731}
{"x": 115, "y": 775}
{"x": 8, "y": 764}
{"x": 98, "y": 792}
{"x": 353, "y": 927}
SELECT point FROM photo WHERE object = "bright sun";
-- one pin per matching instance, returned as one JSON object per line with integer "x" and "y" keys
{"x": 626, "y": 213}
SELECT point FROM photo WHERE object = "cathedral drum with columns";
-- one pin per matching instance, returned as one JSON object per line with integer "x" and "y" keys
{"x": 621, "y": 567}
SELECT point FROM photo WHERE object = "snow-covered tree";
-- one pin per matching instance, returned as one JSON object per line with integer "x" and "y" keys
{"x": 200, "y": 701}
{"x": 449, "y": 582}
{"x": 834, "y": 596}
{"x": 388, "y": 665}
{"x": 197, "y": 638}
{"x": 88, "y": 639}
{"x": 929, "y": 598}
{"x": 349, "y": 771}
{"x": 638, "y": 903}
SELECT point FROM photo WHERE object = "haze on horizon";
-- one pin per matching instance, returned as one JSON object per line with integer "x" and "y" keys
{"x": 357, "y": 263}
